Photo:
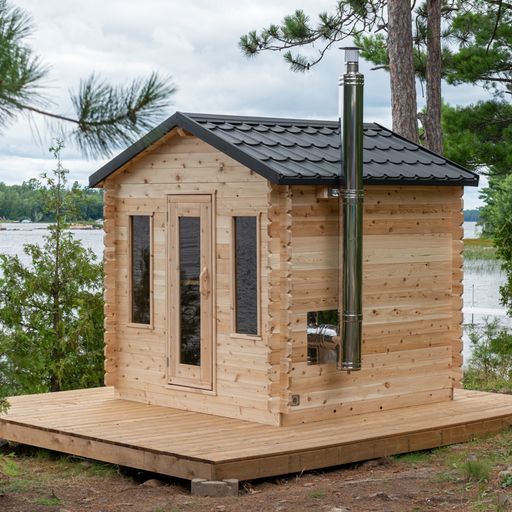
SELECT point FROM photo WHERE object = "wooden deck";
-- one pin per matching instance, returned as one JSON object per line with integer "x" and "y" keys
{"x": 93, "y": 424}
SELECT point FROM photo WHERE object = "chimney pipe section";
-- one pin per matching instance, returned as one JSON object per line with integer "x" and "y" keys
{"x": 351, "y": 200}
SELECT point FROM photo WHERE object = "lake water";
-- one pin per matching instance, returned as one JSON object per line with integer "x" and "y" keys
{"x": 15, "y": 235}
{"x": 482, "y": 279}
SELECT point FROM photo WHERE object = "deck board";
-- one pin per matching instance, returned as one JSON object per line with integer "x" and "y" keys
{"x": 92, "y": 423}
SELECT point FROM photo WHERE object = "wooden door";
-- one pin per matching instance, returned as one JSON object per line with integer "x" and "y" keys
{"x": 190, "y": 291}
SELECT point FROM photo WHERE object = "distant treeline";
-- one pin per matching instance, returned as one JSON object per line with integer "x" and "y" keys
{"x": 18, "y": 202}
{"x": 472, "y": 215}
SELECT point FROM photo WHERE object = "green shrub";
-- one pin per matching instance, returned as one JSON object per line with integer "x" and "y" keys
{"x": 490, "y": 366}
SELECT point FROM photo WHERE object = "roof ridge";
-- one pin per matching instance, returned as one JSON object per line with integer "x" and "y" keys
{"x": 267, "y": 119}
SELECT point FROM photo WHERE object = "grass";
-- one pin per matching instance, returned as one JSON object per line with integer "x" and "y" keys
{"x": 479, "y": 249}
{"x": 53, "y": 501}
{"x": 479, "y": 380}
{"x": 476, "y": 470}
{"x": 9, "y": 467}
{"x": 57, "y": 466}
{"x": 470, "y": 469}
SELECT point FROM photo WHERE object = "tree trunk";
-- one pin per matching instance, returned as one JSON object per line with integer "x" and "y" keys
{"x": 401, "y": 69}
{"x": 432, "y": 117}
{"x": 56, "y": 317}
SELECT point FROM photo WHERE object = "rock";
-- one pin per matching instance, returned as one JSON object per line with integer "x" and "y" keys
{"x": 504, "y": 501}
{"x": 504, "y": 474}
{"x": 152, "y": 482}
{"x": 381, "y": 496}
{"x": 307, "y": 484}
{"x": 472, "y": 457}
{"x": 214, "y": 488}
{"x": 233, "y": 485}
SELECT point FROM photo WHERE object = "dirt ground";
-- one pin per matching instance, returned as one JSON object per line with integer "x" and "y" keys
{"x": 468, "y": 477}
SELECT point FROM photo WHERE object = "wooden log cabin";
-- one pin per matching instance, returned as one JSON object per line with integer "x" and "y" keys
{"x": 228, "y": 255}
{"x": 222, "y": 261}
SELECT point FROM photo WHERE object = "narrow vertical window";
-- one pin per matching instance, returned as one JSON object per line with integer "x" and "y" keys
{"x": 140, "y": 268}
{"x": 246, "y": 275}
{"x": 190, "y": 292}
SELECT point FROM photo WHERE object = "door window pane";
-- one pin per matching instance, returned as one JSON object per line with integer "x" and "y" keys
{"x": 140, "y": 271}
{"x": 190, "y": 293}
{"x": 246, "y": 275}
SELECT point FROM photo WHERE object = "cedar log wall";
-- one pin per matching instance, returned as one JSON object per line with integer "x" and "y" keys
{"x": 412, "y": 291}
{"x": 412, "y": 287}
{"x": 135, "y": 356}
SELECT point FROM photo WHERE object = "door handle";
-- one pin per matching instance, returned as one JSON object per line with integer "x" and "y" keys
{"x": 204, "y": 279}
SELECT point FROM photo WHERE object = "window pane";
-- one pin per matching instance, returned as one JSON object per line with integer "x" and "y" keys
{"x": 246, "y": 275}
{"x": 190, "y": 296}
{"x": 140, "y": 237}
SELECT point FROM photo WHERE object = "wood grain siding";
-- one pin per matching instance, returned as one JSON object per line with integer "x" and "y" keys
{"x": 411, "y": 294}
{"x": 242, "y": 376}
{"x": 411, "y": 299}
{"x": 109, "y": 266}
{"x": 457, "y": 286}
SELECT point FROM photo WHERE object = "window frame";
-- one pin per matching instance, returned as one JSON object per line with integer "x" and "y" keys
{"x": 234, "y": 332}
{"x": 202, "y": 380}
{"x": 130, "y": 322}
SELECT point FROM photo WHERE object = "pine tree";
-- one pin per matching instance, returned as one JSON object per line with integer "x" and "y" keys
{"x": 51, "y": 311}
{"x": 401, "y": 69}
{"x": 106, "y": 117}
{"x": 351, "y": 19}
{"x": 460, "y": 42}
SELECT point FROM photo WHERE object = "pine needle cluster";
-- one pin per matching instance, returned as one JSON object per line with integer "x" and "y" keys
{"x": 106, "y": 117}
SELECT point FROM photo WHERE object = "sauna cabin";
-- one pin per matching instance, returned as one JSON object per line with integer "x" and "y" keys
{"x": 222, "y": 270}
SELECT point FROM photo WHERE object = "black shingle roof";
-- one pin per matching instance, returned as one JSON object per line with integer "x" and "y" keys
{"x": 297, "y": 151}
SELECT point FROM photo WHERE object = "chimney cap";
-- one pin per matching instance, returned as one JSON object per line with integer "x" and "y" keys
{"x": 351, "y": 53}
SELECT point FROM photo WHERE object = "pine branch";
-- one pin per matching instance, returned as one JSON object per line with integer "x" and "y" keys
{"x": 46, "y": 113}
{"x": 496, "y": 26}
{"x": 20, "y": 70}
{"x": 109, "y": 117}
{"x": 106, "y": 117}
{"x": 352, "y": 17}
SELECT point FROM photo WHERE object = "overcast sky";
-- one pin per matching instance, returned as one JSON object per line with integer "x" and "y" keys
{"x": 195, "y": 42}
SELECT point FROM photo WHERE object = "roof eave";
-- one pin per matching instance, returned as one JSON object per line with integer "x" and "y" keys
{"x": 135, "y": 149}
{"x": 182, "y": 121}
{"x": 293, "y": 180}
{"x": 468, "y": 182}
{"x": 187, "y": 122}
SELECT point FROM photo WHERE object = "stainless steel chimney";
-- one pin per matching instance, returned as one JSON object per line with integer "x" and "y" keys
{"x": 351, "y": 201}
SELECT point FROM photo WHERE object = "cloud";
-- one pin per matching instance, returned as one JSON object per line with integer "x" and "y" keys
{"x": 15, "y": 169}
{"x": 197, "y": 43}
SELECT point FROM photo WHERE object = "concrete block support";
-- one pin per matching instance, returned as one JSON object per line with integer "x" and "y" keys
{"x": 214, "y": 488}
